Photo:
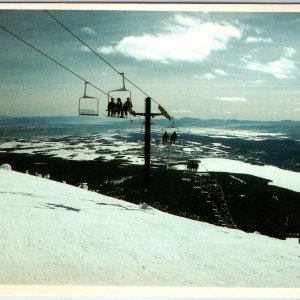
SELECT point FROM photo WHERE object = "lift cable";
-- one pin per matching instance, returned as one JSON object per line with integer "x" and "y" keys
{"x": 52, "y": 59}
{"x": 99, "y": 56}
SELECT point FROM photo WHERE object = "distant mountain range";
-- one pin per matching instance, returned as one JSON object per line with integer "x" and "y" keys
{"x": 186, "y": 121}
{"x": 288, "y": 127}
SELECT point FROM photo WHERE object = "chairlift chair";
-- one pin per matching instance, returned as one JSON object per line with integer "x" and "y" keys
{"x": 170, "y": 129}
{"x": 192, "y": 166}
{"x": 88, "y": 106}
{"x": 201, "y": 181}
{"x": 197, "y": 182}
{"x": 122, "y": 89}
{"x": 186, "y": 176}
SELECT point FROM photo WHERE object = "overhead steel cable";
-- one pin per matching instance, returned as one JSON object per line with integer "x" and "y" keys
{"x": 52, "y": 59}
{"x": 99, "y": 56}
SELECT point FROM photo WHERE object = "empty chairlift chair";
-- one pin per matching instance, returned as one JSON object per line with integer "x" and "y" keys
{"x": 202, "y": 181}
{"x": 197, "y": 182}
{"x": 88, "y": 106}
{"x": 205, "y": 183}
{"x": 186, "y": 176}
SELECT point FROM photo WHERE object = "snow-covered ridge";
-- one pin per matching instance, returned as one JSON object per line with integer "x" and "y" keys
{"x": 53, "y": 233}
{"x": 235, "y": 133}
{"x": 278, "y": 177}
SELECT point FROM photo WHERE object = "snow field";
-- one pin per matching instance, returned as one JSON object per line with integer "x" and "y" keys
{"x": 278, "y": 177}
{"x": 54, "y": 233}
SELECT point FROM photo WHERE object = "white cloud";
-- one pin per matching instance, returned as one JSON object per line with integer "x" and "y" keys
{"x": 205, "y": 76}
{"x": 231, "y": 99}
{"x": 210, "y": 75}
{"x": 107, "y": 50}
{"x": 88, "y": 30}
{"x": 288, "y": 51}
{"x": 84, "y": 49}
{"x": 185, "y": 111}
{"x": 185, "y": 21}
{"x": 282, "y": 68}
{"x": 259, "y": 81}
{"x": 219, "y": 71}
{"x": 186, "y": 39}
{"x": 252, "y": 39}
{"x": 297, "y": 109}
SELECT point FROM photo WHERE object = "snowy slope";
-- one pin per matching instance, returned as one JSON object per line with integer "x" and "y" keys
{"x": 53, "y": 233}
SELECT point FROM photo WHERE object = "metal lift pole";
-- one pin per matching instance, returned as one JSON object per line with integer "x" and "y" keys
{"x": 147, "y": 147}
{"x": 148, "y": 115}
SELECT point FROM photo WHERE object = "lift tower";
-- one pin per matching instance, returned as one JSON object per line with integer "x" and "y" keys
{"x": 148, "y": 115}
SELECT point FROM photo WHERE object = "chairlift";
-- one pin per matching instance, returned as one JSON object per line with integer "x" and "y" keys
{"x": 88, "y": 106}
{"x": 197, "y": 182}
{"x": 192, "y": 166}
{"x": 115, "y": 94}
{"x": 205, "y": 178}
{"x": 204, "y": 182}
{"x": 170, "y": 130}
{"x": 201, "y": 181}
{"x": 216, "y": 188}
{"x": 186, "y": 176}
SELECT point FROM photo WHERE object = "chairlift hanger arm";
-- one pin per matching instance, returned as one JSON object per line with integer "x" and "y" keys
{"x": 122, "y": 89}
{"x": 164, "y": 112}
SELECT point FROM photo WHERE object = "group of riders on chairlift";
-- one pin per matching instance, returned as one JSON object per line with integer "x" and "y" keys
{"x": 165, "y": 138}
{"x": 118, "y": 109}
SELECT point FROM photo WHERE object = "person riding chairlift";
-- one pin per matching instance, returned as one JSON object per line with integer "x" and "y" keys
{"x": 119, "y": 108}
{"x": 165, "y": 138}
{"x": 173, "y": 137}
{"x": 127, "y": 106}
{"x": 192, "y": 166}
{"x": 111, "y": 108}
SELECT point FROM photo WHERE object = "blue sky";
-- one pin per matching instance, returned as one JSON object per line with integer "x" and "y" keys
{"x": 227, "y": 65}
